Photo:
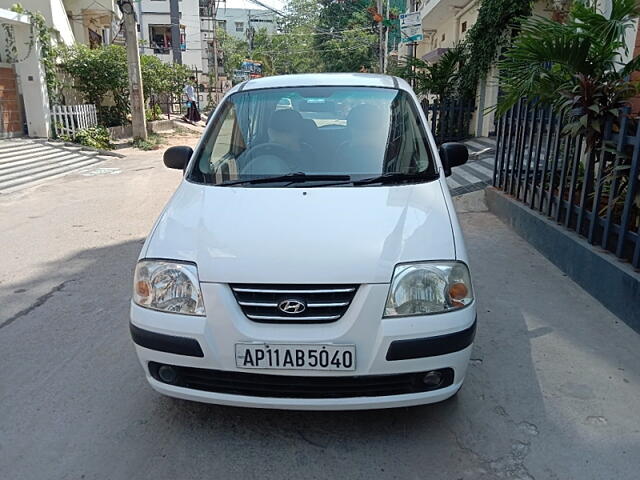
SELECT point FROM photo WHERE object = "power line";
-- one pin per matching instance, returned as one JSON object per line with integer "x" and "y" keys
{"x": 315, "y": 49}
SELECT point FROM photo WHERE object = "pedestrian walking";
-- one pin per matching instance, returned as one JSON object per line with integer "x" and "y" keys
{"x": 193, "y": 114}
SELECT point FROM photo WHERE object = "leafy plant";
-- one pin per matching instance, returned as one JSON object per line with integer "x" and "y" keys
{"x": 96, "y": 137}
{"x": 161, "y": 78}
{"x": 153, "y": 113}
{"x": 459, "y": 70}
{"x": 41, "y": 33}
{"x": 153, "y": 142}
{"x": 99, "y": 73}
{"x": 110, "y": 116}
{"x": 346, "y": 39}
{"x": 442, "y": 79}
{"x": 496, "y": 23}
{"x": 575, "y": 66}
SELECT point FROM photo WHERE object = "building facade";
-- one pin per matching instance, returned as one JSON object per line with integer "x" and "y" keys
{"x": 239, "y": 19}
{"x": 94, "y": 23}
{"x": 24, "y": 103}
{"x": 447, "y": 22}
{"x": 155, "y": 35}
{"x": 240, "y": 22}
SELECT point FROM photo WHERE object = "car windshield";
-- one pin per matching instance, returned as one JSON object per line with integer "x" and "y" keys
{"x": 314, "y": 136}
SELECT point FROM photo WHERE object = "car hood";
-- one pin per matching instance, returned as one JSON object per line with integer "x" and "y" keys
{"x": 297, "y": 235}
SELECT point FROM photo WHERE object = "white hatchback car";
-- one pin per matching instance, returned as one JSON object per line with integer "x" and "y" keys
{"x": 311, "y": 258}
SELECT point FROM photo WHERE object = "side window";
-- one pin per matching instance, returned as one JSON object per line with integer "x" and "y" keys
{"x": 224, "y": 137}
{"x": 406, "y": 149}
{"x": 225, "y": 144}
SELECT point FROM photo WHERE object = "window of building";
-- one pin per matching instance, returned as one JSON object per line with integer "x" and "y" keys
{"x": 161, "y": 41}
{"x": 160, "y": 38}
{"x": 463, "y": 27}
{"x": 239, "y": 26}
{"x": 95, "y": 39}
{"x": 443, "y": 37}
{"x": 222, "y": 25}
{"x": 206, "y": 8}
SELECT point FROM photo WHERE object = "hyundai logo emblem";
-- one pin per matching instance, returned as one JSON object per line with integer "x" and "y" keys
{"x": 292, "y": 307}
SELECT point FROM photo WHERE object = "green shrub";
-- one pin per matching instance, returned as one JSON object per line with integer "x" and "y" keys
{"x": 153, "y": 113}
{"x": 152, "y": 142}
{"x": 161, "y": 78}
{"x": 111, "y": 116}
{"x": 99, "y": 74}
{"x": 96, "y": 137}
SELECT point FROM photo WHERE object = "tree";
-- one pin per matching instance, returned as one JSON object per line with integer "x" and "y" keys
{"x": 444, "y": 76}
{"x": 346, "y": 38}
{"x": 337, "y": 37}
{"x": 98, "y": 73}
{"x": 497, "y": 22}
{"x": 441, "y": 79}
{"x": 576, "y": 66}
{"x": 160, "y": 78}
{"x": 233, "y": 51}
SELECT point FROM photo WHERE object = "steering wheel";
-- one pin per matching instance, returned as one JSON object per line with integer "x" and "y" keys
{"x": 259, "y": 153}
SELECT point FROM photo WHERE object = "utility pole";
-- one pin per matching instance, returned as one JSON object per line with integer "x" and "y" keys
{"x": 412, "y": 47}
{"x": 138, "y": 120}
{"x": 214, "y": 6}
{"x": 175, "y": 31}
{"x": 250, "y": 33}
{"x": 386, "y": 40}
{"x": 380, "y": 36}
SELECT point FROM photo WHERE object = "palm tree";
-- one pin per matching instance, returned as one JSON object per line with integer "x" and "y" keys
{"x": 575, "y": 66}
{"x": 441, "y": 78}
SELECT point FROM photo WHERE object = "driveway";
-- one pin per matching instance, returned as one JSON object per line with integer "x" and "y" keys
{"x": 552, "y": 391}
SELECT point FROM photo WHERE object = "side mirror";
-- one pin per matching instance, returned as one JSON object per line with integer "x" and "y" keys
{"x": 177, "y": 157}
{"x": 453, "y": 154}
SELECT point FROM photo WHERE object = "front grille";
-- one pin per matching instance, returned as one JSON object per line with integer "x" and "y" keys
{"x": 285, "y": 386}
{"x": 323, "y": 303}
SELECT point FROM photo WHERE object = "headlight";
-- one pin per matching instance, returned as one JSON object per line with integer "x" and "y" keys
{"x": 168, "y": 286}
{"x": 429, "y": 287}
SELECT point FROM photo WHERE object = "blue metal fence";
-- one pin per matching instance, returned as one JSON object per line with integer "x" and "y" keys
{"x": 595, "y": 194}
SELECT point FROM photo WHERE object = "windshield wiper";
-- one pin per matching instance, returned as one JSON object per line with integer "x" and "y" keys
{"x": 295, "y": 177}
{"x": 391, "y": 177}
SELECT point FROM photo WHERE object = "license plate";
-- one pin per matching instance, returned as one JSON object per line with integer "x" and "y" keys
{"x": 296, "y": 357}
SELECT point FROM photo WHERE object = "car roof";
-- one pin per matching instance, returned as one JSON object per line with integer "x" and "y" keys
{"x": 323, "y": 80}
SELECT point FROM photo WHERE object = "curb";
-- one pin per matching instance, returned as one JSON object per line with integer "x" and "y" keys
{"x": 84, "y": 147}
{"x": 613, "y": 283}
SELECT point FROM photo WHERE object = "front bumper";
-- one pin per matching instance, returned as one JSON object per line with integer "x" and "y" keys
{"x": 384, "y": 346}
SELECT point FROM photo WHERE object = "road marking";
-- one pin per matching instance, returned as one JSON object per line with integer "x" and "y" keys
{"x": 102, "y": 171}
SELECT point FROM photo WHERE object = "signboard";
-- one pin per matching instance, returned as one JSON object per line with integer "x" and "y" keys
{"x": 410, "y": 27}
{"x": 240, "y": 76}
{"x": 252, "y": 67}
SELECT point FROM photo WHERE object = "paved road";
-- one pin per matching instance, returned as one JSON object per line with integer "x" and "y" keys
{"x": 552, "y": 392}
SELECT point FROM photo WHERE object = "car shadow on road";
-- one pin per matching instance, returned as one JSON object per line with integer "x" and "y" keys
{"x": 95, "y": 410}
